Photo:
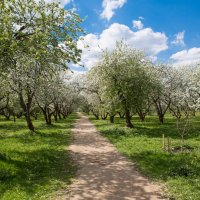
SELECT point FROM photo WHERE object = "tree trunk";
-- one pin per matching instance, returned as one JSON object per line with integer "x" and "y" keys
{"x": 121, "y": 115}
{"x": 128, "y": 119}
{"x": 49, "y": 119}
{"x": 7, "y": 117}
{"x": 26, "y": 108}
{"x": 14, "y": 118}
{"x": 112, "y": 118}
{"x": 29, "y": 121}
{"x": 161, "y": 118}
{"x": 19, "y": 115}
{"x": 96, "y": 116}
{"x": 36, "y": 117}
{"x": 104, "y": 116}
{"x": 45, "y": 114}
{"x": 160, "y": 110}
{"x": 6, "y": 114}
{"x": 141, "y": 115}
{"x": 45, "y": 117}
{"x": 56, "y": 114}
{"x": 64, "y": 116}
{"x": 182, "y": 141}
{"x": 49, "y": 116}
{"x": 55, "y": 117}
{"x": 59, "y": 115}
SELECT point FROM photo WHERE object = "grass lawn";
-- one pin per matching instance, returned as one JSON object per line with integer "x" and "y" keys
{"x": 143, "y": 145}
{"x": 34, "y": 166}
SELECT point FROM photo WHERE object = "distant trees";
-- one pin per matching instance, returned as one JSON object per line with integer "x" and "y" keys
{"x": 30, "y": 94}
{"x": 125, "y": 82}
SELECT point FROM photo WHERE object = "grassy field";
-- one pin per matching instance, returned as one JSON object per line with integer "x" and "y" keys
{"x": 34, "y": 166}
{"x": 143, "y": 145}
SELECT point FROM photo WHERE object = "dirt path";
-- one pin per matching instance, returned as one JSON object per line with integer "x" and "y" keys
{"x": 103, "y": 173}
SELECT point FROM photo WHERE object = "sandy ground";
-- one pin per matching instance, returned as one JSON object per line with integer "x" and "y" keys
{"x": 104, "y": 174}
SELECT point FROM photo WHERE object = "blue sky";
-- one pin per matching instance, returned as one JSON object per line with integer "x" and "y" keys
{"x": 168, "y": 30}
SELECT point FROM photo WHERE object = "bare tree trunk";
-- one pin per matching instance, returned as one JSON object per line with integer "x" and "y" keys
{"x": 55, "y": 117}
{"x": 49, "y": 114}
{"x": 19, "y": 115}
{"x": 59, "y": 115}
{"x": 194, "y": 113}
{"x": 29, "y": 121}
{"x": 6, "y": 113}
{"x": 141, "y": 115}
{"x": 96, "y": 115}
{"x": 160, "y": 110}
{"x": 121, "y": 115}
{"x": 128, "y": 119}
{"x": 45, "y": 116}
{"x": 182, "y": 141}
{"x": 161, "y": 118}
{"x": 104, "y": 116}
{"x": 26, "y": 108}
{"x": 112, "y": 118}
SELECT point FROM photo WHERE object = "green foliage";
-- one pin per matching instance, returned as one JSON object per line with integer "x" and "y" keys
{"x": 34, "y": 166}
{"x": 37, "y": 41}
{"x": 122, "y": 77}
{"x": 143, "y": 145}
{"x": 44, "y": 32}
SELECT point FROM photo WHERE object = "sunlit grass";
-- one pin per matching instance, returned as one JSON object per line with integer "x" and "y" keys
{"x": 34, "y": 166}
{"x": 143, "y": 145}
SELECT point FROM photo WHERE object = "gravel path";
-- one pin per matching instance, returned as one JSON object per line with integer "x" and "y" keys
{"x": 104, "y": 174}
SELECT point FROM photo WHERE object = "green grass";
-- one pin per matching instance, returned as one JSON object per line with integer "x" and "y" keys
{"x": 34, "y": 166}
{"x": 143, "y": 145}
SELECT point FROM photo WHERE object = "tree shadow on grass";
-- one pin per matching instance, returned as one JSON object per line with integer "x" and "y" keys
{"x": 162, "y": 165}
{"x": 147, "y": 131}
{"x": 150, "y": 127}
{"x": 37, "y": 169}
{"x": 38, "y": 163}
{"x": 12, "y": 126}
{"x": 56, "y": 135}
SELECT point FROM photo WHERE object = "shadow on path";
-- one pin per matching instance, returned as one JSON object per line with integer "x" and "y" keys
{"x": 103, "y": 173}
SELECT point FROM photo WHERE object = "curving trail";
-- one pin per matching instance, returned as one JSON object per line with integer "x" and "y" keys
{"x": 104, "y": 174}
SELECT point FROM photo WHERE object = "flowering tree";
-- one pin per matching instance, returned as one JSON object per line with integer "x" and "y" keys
{"x": 185, "y": 98}
{"x": 165, "y": 83}
{"x": 123, "y": 80}
{"x": 37, "y": 29}
{"x": 36, "y": 39}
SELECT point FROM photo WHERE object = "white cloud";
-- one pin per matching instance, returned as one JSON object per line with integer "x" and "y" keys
{"x": 109, "y": 7}
{"x": 90, "y": 49}
{"x": 141, "y": 18}
{"x": 145, "y": 39}
{"x": 186, "y": 57}
{"x": 62, "y": 2}
{"x": 179, "y": 38}
{"x": 138, "y": 24}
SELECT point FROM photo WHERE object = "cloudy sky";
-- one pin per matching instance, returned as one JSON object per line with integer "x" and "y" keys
{"x": 167, "y": 30}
